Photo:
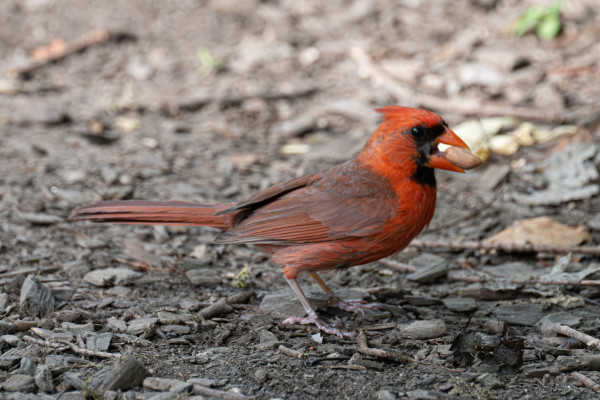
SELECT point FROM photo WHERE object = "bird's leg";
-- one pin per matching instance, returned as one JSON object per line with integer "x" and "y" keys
{"x": 312, "y": 317}
{"x": 335, "y": 301}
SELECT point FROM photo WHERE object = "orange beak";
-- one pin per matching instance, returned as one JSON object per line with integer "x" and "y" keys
{"x": 438, "y": 159}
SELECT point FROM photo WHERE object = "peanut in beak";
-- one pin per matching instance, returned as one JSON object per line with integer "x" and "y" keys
{"x": 462, "y": 157}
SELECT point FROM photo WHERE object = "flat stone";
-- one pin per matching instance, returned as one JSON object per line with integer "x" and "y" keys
{"x": 19, "y": 383}
{"x": 116, "y": 324}
{"x": 167, "y": 318}
{"x": 27, "y": 366}
{"x": 77, "y": 329}
{"x": 111, "y": 277}
{"x": 429, "y": 267}
{"x": 460, "y": 304}
{"x": 175, "y": 329}
{"x": 203, "y": 277}
{"x": 161, "y": 384}
{"x": 520, "y": 314}
{"x": 140, "y": 325}
{"x": 36, "y": 299}
{"x": 97, "y": 341}
{"x": 128, "y": 373}
{"x": 425, "y": 329}
{"x": 286, "y": 304}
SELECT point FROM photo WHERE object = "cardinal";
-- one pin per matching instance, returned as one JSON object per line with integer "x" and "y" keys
{"x": 354, "y": 213}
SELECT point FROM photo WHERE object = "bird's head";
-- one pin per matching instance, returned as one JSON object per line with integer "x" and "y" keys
{"x": 407, "y": 140}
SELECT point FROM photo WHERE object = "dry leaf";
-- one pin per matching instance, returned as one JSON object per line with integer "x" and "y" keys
{"x": 541, "y": 231}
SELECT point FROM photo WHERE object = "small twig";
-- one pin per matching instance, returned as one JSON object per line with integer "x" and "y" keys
{"x": 80, "y": 341}
{"x": 364, "y": 348}
{"x": 398, "y": 266}
{"x": 350, "y": 367}
{"x": 586, "y": 381}
{"x": 27, "y": 271}
{"x": 506, "y": 247}
{"x": 218, "y": 394}
{"x": 94, "y": 37}
{"x": 462, "y": 277}
{"x": 45, "y": 343}
{"x": 26, "y": 325}
{"x": 292, "y": 353}
{"x": 381, "y": 327}
{"x": 86, "y": 352}
{"x": 565, "y": 330}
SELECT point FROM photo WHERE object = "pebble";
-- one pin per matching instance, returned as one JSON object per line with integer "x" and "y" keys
{"x": 111, "y": 277}
{"x": 36, "y": 299}
{"x": 116, "y": 324}
{"x": 160, "y": 384}
{"x": 43, "y": 378}
{"x": 261, "y": 375}
{"x": 3, "y": 302}
{"x": 385, "y": 395}
{"x": 425, "y": 329}
{"x": 177, "y": 392}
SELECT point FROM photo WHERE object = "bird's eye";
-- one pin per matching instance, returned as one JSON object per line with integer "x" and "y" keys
{"x": 418, "y": 132}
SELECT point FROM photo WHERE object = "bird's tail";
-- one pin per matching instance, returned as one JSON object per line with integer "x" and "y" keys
{"x": 156, "y": 213}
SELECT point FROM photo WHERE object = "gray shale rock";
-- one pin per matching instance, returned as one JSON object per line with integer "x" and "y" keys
{"x": 111, "y": 277}
{"x": 19, "y": 383}
{"x": 36, "y": 299}
{"x": 127, "y": 374}
{"x": 43, "y": 378}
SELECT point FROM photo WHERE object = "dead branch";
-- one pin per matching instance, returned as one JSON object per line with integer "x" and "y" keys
{"x": 218, "y": 394}
{"x": 465, "y": 106}
{"x": 397, "y": 265}
{"x": 586, "y": 381}
{"x": 292, "y": 353}
{"x": 364, "y": 348}
{"x": 92, "y": 38}
{"x": 45, "y": 343}
{"x": 565, "y": 330}
{"x": 86, "y": 352}
{"x": 506, "y": 247}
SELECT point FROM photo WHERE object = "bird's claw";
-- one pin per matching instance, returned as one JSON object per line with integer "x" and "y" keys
{"x": 321, "y": 325}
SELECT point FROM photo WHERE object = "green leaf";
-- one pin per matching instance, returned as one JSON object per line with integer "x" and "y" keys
{"x": 529, "y": 20}
{"x": 549, "y": 27}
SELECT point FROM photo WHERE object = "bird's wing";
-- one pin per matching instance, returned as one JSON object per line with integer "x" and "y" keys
{"x": 344, "y": 203}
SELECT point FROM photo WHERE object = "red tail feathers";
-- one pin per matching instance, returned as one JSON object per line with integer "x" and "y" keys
{"x": 156, "y": 213}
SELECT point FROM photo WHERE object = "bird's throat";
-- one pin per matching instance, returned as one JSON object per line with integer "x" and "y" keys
{"x": 424, "y": 175}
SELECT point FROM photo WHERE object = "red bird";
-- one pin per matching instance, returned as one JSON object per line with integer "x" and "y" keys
{"x": 352, "y": 214}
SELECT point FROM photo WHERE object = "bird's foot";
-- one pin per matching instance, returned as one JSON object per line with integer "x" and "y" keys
{"x": 313, "y": 319}
{"x": 350, "y": 305}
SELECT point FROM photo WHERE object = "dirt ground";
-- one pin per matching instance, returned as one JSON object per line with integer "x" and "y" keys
{"x": 210, "y": 101}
